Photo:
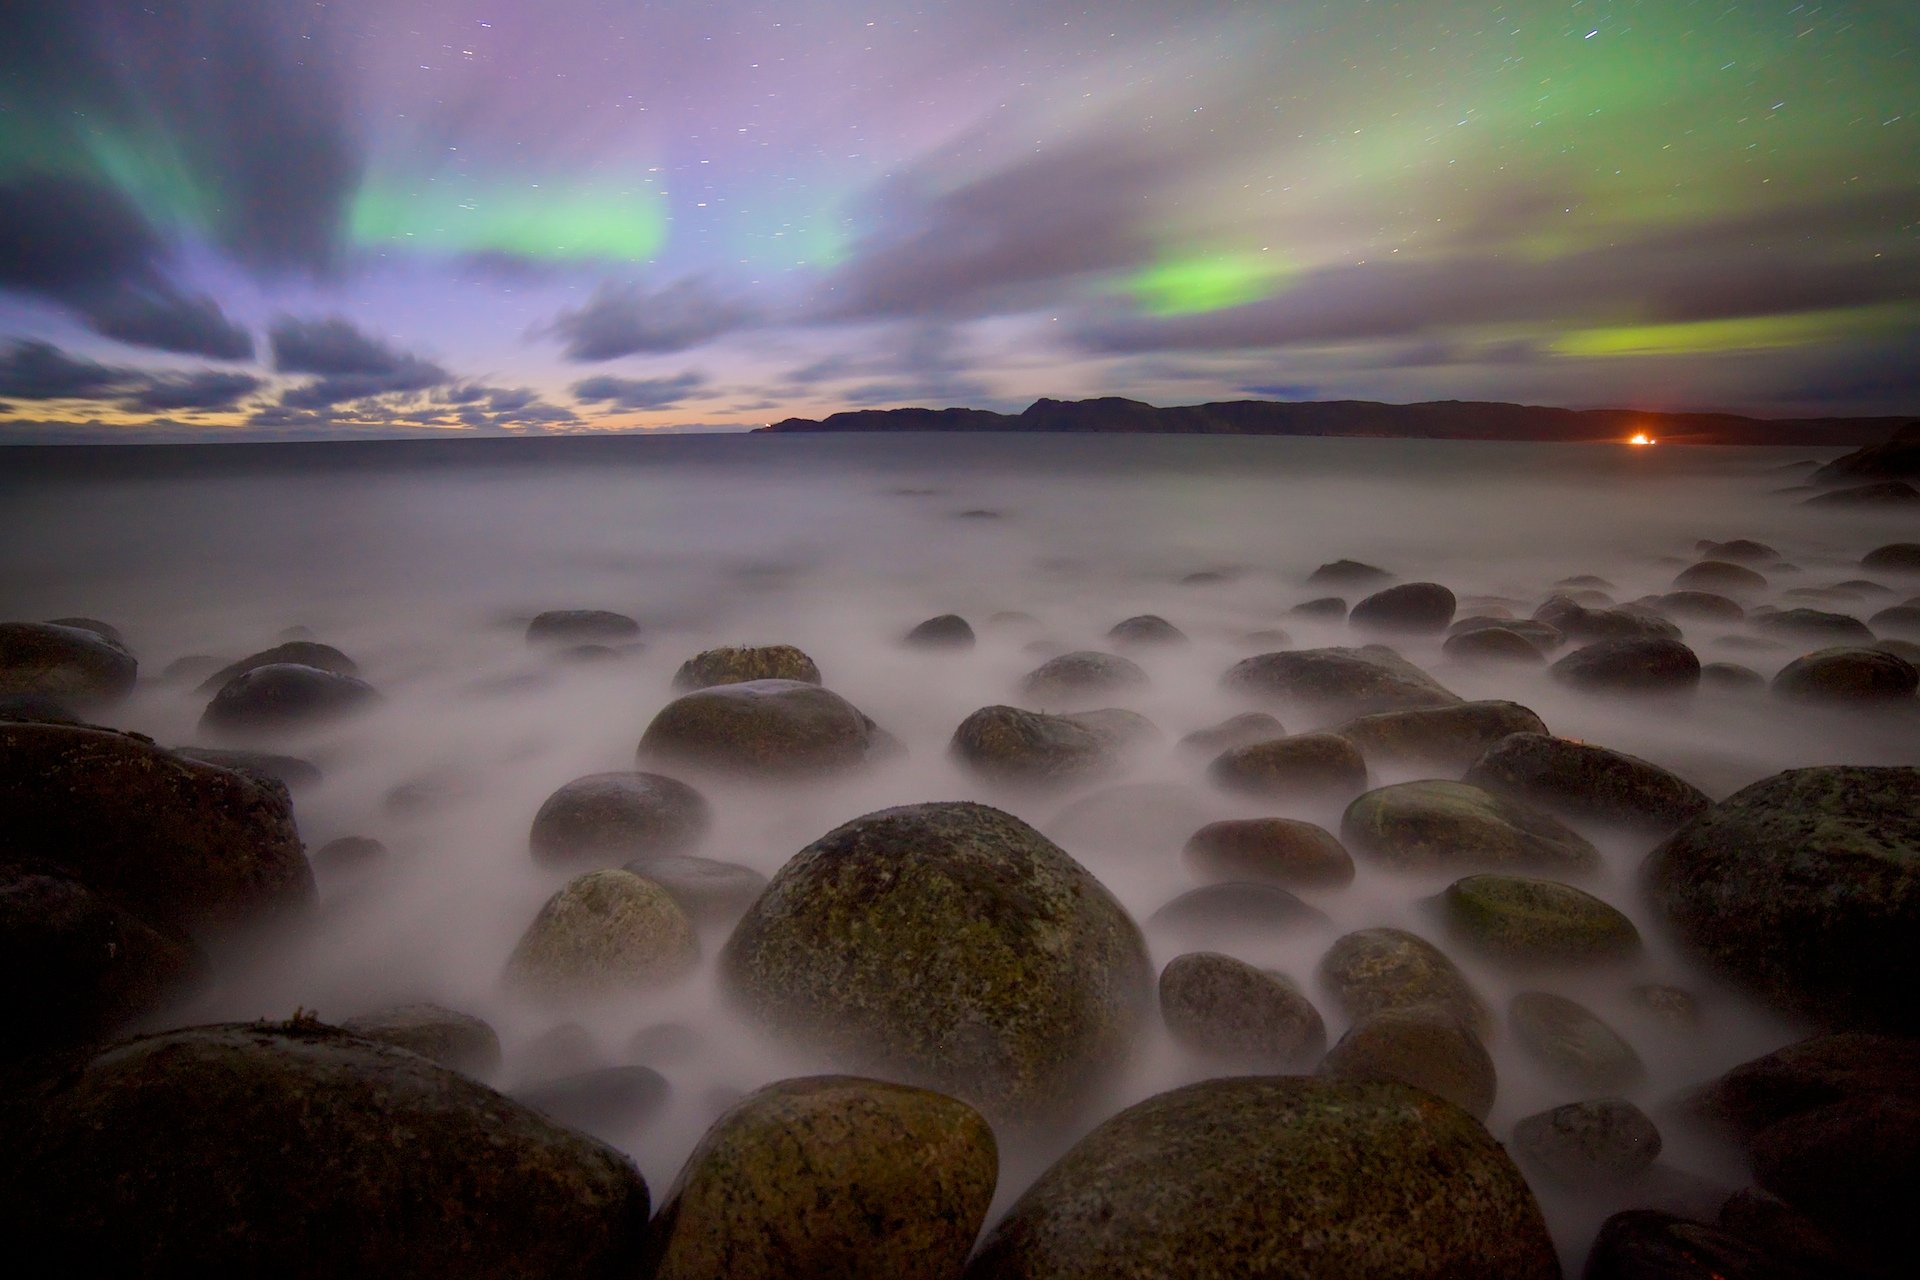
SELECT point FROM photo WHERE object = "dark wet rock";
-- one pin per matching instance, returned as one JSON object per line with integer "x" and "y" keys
{"x": 1811, "y": 624}
{"x": 1845, "y": 675}
{"x": 1493, "y": 645}
{"x": 1145, "y": 630}
{"x": 1810, "y": 1075}
{"x": 1442, "y": 738}
{"x": 1730, "y": 676}
{"x": 1347, "y": 573}
{"x": 1304, "y": 764}
{"x": 348, "y": 854}
{"x": 1434, "y": 824}
{"x": 1739, "y": 551}
{"x": 1781, "y": 1231}
{"x": 1338, "y": 681}
{"x": 1852, "y": 1167}
{"x": 1886, "y": 493}
{"x": 1276, "y": 850}
{"x": 1374, "y": 970}
{"x": 1720, "y": 577}
{"x": 1906, "y": 650}
{"x": 1897, "y": 455}
{"x": 581, "y": 626}
{"x": 1704, "y": 606}
{"x": 830, "y": 1178}
{"x": 77, "y": 967}
{"x": 455, "y": 1040}
{"x": 301, "y": 653}
{"x": 35, "y": 708}
{"x": 1579, "y": 623}
{"x": 1518, "y": 918}
{"x": 1331, "y": 608}
{"x": 1277, "y": 1176}
{"x": 1648, "y": 1244}
{"x": 1864, "y": 587}
{"x": 984, "y": 960}
{"x": 1245, "y": 908}
{"x": 1672, "y": 1007}
{"x": 1236, "y": 731}
{"x": 1897, "y": 620}
{"x": 1135, "y": 817}
{"x": 1803, "y": 888}
{"x": 170, "y": 1155}
{"x": 1572, "y": 1043}
{"x": 1544, "y": 636}
{"x": 1424, "y": 1046}
{"x": 1587, "y": 580}
{"x": 1226, "y": 1009}
{"x": 105, "y": 630}
{"x": 1899, "y": 557}
{"x": 71, "y": 664}
{"x": 765, "y": 728}
{"x": 1649, "y": 665}
{"x": 609, "y": 817}
{"x": 283, "y": 696}
{"x": 710, "y": 892}
{"x": 1031, "y": 748}
{"x": 947, "y": 631}
{"x": 1584, "y": 781}
{"x": 603, "y": 1100}
{"x": 1422, "y": 608}
{"x": 741, "y": 664}
{"x": 291, "y": 772}
{"x": 605, "y": 931}
{"x": 186, "y": 845}
{"x": 1600, "y": 1142}
{"x": 1081, "y": 675}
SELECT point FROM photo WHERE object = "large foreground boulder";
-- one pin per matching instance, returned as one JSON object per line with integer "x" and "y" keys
{"x": 72, "y": 664}
{"x": 1848, "y": 676}
{"x": 1805, "y": 888}
{"x": 298, "y": 1150}
{"x": 1339, "y": 682}
{"x": 1277, "y": 1176}
{"x": 777, "y": 728}
{"x": 951, "y": 944}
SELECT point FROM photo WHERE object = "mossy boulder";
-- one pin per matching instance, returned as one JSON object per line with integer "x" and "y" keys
{"x": 1805, "y": 889}
{"x": 1304, "y": 764}
{"x": 1518, "y": 918}
{"x": 1599, "y": 1142}
{"x": 299, "y": 1150}
{"x": 1082, "y": 675}
{"x": 1031, "y": 748}
{"x": 951, "y": 944}
{"x": 1434, "y": 824}
{"x": 1424, "y": 1046}
{"x": 1415, "y": 607}
{"x": 1581, "y": 780}
{"x": 1374, "y": 970}
{"x": 283, "y": 696}
{"x": 605, "y": 931}
{"x": 608, "y": 817}
{"x": 829, "y": 1178}
{"x": 1649, "y": 665}
{"x": 1338, "y": 682}
{"x": 741, "y": 664}
{"x": 1572, "y": 1042}
{"x": 1277, "y": 1176}
{"x": 1226, "y": 1009}
{"x": 1847, "y": 675}
{"x": 1443, "y": 738}
{"x": 456, "y": 1040}
{"x": 75, "y": 665}
{"x": 1282, "y": 851}
{"x": 305, "y": 653}
{"x": 763, "y": 728}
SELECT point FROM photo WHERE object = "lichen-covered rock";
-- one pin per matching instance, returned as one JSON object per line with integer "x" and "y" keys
{"x": 1848, "y": 676}
{"x": 1375, "y": 970}
{"x": 947, "y": 631}
{"x": 72, "y": 664}
{"x": 1600, "y": 1142}
{"x": 1585, "y": 781}
{"x": 298, "y": 1150}
{"x": 1081, "y": 675}
{"x": 1281, "y": 851}
{"x": 1304, "y": 764}
{"x": 1415, "y": 607}
{"x": 283, "y": 696}
{"x": 742, "y": 664}
{"x": 1031, "y": 748}
{"x": 1445, "y": 738}
{"x": 1277, "y": 1176}
{"x": 605, "y": 931}
{"x": 1424, "y": 1046}
{"x": 1805, "y": 888}
{"x": 709, "y": 891}
{"x": 455, "y": 1040}
{"x": 304, "y": 653}
{"x": 1572, "y": 1043}
{"x": 580, "y": 626}
{"x": 1225, "y": 1008}
{"x": 950, "y": 943}
{"x": 1340, "y": 682}
{"x": 764, "y": 728}
{"x": 185, "y": 845}
{"x": 1145, "y": 630}
{"x": 607, "y": 817}
{"x": 1437, "y": 824}
{"x": 1518, "y": 918}
{"x": 829, "y": 1178}
{"x": 1645, "y": 665}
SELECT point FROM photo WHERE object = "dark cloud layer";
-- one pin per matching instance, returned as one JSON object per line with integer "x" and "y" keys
{"x": 638, "y": 393}
{"x": 350, "y": 364}
{"x": 625, "y": 320}
{"x": 32, "y": 370}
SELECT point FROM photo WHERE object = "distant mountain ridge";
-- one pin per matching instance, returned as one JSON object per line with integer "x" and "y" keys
{"x": 1431, "y": 420}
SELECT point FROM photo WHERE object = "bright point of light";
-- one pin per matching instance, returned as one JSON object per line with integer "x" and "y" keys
{"x": 1641, "y": 437}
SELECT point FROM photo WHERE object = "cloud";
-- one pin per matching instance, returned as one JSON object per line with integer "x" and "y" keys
{"x": 209, "y": 391}
{"x": 638, "y": 393}
{"x": 33, "y": 370}
{"x": 624, "y": 319}
{"x": 349, "y": 364}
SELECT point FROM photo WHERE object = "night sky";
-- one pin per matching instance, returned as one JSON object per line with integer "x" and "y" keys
{"x": 285, "y": 218}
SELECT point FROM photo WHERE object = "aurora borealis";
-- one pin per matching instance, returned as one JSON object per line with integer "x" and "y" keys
{"x": 291, "y": 218}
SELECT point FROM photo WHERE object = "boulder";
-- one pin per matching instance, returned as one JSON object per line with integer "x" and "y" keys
{"x": 608, "y": 817}
{"x": 303, "y": 653}
{"x": 1731, "y": 677}
{"x": 949, "y": 943}
{"x": 1853, "y": 1167}
{"x": 455, "y": 1040}
{"x": 1340, "y": 682}
{"x": 1081, "y": 675}
{"x": 1598, "y": 1143}
{"x": 1235, "y": 731}
{"x": 1651, "y": 665}
{"x": 1898, "y": 455}
{"x": 1347, "y": 573}
{"x": 948, "y": 631}
{"x": 1420, "y": 608}
{"x": 581, "y": 626}
{"x": 605, "y": 931}
{"x": 1810, "y": 1075}
{"x": 1280, "y": 851}
{"x": 1805, "y": 888}
{"x": 1897, "y": 620}
{"x": 1226, "y": 1009}
{"x": 1584, "y": 781}
{"x": 710, "y": 892}
{"x": 1649, "y": 1244}
{"x": 829, "y": 1178}
{"x": 1896, "y": 557}
{"x": 762, "y": 728}
{"x": 1146, "y": 630}
{"x": 741, "y": 665}
{"x": 170, "y": 1155}
{"x": 349, "y": 854}
{"x": 1885, "y": 493}
{"x": 1304, "y": 764}
{"x": 1376, "y": 970}
{"x": 283, "y": 696}
{"x": 1328, "y": 608}
{"x": 185, "y": 845}
{"x": 290, "y": 772}
{"x": 1031, "y": 748}
{"x": 1277, "y": 1176}
{"x": 105, "y": 630}
{"x": 1702, "y": 606}
{"x": 35, "y": 708}
{"x": 1811, "y": 625}
{"x": 1441, "y": 738}
{"x": 1572, "y": 1043}
{"x": 1847, "y": 675}
{"x": 1543, "y": 636}
{"x": 70, "y": 664}
{"x": 1486, "y": 645}
{"x": 1578, "y": 622}
{"x": 1721, "y": 577}
{"x": 1250, "y": 908}
{"x": 1437, "y": 824}
{"x": 1739, "y": 551}
{"x": 1517, "y": 918}
{"x": 1423, "y": 1046}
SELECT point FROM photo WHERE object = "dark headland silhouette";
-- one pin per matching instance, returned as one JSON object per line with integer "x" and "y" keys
{"x": 1433, "y": 420}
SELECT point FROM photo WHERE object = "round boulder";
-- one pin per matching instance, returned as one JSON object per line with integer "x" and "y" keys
{"x": 1572, "y": 1043}
{"x": 1900, "y": 557}
{"x": 948, "y": 631}
{"x": 1304, "y": 764}
{"x": 768, "y": 728}
{"x": 1897, "y": 620}
{"x": 1250, "y": 908}
{"x": 710, "y": 892}
{"x": 1224, "y": 1008}
{"x": 1423, "y": 1046}
{"x": 1235, "y": 731}
{"x": 1647, "y": 665}
{"x": 580, "y": 626}
{"x": 1341, "y": 682}
{"x": 1720, "y": 576}
{"x": 1597, "y": 1143}
{"x": 1031, "y": 748}
{"x": 1347, "y": 573}
{"x": 951, "y": 943}
{"x": 453, "y": 1039}
{"x": 71, "y": 664}
{"x": 1493, "y": 645}
{"x": 1442, "y": 738}
{"x": 1374, "y": 970}
{"x": 1146, "y": 630}
{"x": 1421, "y": 608}
{"x": 1848, "y": 676}
{"x": 1812, "y": 625}
{"x": 1585, "y": 781}
{"x": 608, "y": 817}
{"x": 304, "y": 653}
{"x": 285, "y": 695}
{"x": 1280, "y": 851}
{"x": 1277, "y": 1176}
{"x": 741, "y": 664}
{"x": 605, "y": 931}
{"x": 1517, "y": 918}
{"x": 1434, "y": 823}
{"x": 1080, "y": 675}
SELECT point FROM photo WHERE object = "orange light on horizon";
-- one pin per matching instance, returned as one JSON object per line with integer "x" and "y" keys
{"x": 1641, "y": 437}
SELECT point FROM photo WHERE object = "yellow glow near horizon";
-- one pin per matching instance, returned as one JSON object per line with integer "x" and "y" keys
{"x": 1641, "y": 437}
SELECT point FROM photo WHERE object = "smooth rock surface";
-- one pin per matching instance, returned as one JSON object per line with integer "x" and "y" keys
{"x": 1372, "y": 971}
{"x": 1226, "y": 1009}
{"x": 605, "y": 931}
{"x": 1438, "y": 824}
{"x": 741, "y": 664}
{"x": 608, "y": 817}
{"x": 1283, "y": 851}
{"x": 761, "y": 728}
{"x": 1581, "y": 780}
